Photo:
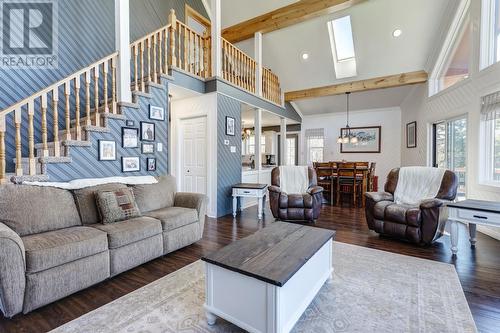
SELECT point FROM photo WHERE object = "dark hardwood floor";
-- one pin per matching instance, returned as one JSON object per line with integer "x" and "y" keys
{"x": 479, "y": 269}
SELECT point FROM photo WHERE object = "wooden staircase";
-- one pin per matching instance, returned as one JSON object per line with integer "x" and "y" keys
{"x": 85, "y": 101}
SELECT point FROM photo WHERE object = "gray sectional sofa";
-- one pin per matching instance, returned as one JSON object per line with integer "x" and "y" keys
{"x": 52, "y": 243}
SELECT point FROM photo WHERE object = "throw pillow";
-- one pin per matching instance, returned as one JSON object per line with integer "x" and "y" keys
{"x": 117, "y": 205}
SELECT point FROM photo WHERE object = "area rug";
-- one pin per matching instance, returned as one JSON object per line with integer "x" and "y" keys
{"x": 371, "y": 291}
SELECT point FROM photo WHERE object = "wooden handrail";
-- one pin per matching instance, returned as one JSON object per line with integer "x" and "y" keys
{"x": 56, "y": 85}
{"x": 238, "y": 67}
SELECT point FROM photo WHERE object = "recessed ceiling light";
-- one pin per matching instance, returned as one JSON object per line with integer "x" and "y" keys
{"x": 304, "y": 56}
{"x": 396, "y": 33}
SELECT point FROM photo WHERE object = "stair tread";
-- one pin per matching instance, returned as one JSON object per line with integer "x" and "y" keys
{"x": 67, "y": 143}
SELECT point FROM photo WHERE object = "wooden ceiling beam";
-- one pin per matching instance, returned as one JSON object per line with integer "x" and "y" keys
{"x": 284, "y": 17}
{"x": 382, "y": 82}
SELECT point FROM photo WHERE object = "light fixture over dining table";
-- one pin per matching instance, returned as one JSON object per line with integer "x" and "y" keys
{"x": 347, "y": 137}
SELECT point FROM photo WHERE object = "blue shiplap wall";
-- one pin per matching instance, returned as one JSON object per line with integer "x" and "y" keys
{"x": 228, "y": 164}
{"x": 85, "y": 163}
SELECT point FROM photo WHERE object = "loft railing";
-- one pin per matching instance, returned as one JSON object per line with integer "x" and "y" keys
{"x": 237, "y": 67}
{"x": 271, "y": 89}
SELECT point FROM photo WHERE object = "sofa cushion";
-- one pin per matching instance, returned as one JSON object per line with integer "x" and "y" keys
{"x": 379, "y": 209}
{"x": 155, "y": 196}
{"x": 33, "y": 209}
{"x": 401, "y": 213}
{"x": 53, "y": 248}
{"x": 86, "y": 204}
{"x": 174, "y": 217}
{"x": 117, "y": 205}
{"x": 130, "y": 231}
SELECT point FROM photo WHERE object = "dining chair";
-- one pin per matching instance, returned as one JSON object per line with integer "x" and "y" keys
{"x": 371, "y": 176}
{"x": 348, "y": 183}
{"x": 324, "y": 172}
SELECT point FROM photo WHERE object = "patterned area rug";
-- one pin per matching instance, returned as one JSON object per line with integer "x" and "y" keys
{"x": 372, "y": 291}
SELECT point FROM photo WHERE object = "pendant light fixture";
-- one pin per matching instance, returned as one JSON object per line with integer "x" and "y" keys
{"x": 348, "y": 137}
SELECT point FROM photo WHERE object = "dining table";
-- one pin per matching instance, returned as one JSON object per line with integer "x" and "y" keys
{"x": 331, "y": 171}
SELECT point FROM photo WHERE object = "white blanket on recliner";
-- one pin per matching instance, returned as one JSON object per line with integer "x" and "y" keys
{"x": 294, "y": 179}
{"x": 417, "y": 183}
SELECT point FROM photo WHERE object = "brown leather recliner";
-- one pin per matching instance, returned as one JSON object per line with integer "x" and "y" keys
{"x": 421, "y": 224}
{"x": 295, "y": 206}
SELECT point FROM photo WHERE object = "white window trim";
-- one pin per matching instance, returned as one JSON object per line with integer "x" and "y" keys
{"x": 457, "y": 28}
{"x": 306, "y": 143}
{"x": 487, "y": 48}
{"x": 486, "y": 152}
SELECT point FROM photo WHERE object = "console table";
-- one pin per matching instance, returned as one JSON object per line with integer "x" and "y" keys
{"x": 473, "y": 212}
{"x": 264, "y": 282}
{"x": 249, "y": 191}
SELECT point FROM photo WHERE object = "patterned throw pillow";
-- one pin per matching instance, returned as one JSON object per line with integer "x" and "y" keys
{"x": 117, "y": 205}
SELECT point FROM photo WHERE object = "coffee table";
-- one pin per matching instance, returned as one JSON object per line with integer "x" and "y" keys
{"x": 264, "y": 282}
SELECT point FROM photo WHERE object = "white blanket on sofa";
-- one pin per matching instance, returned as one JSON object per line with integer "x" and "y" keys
{"x": 417, "y": 183}
{"x": 81, "y": 183}
{"x": 294, "y": 179}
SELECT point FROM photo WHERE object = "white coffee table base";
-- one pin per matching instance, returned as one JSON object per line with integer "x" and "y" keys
{"x": 257, "y": 306}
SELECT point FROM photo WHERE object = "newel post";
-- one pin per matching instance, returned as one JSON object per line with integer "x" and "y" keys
{"x": 172, "y": 20}
{"x": 122, "y": 45}
{"x": 258, "y": 60}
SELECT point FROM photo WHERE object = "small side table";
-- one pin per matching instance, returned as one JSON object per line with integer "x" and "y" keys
{"x": 473, "y": 212}
{"x": 247, "y": 190}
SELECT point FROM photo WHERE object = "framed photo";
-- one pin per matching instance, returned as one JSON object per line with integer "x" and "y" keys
{"x": 130, "y": 164}
{"x": 107, "y": 150}
{"x": 147, "y": 131}
{"x": 148, "y": 148}
{"x": 130, "y": 137}
{"x": 156, "y": 112}
{"x": 151, "y": 164}
{"x": 130, "y": 123}
{"x": 369, "y": 140}
{"x": 411, "y": 135}
{"x": 230, "y": 126}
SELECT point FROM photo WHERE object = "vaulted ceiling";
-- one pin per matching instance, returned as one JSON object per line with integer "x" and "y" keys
{"x": 378, "y": 53}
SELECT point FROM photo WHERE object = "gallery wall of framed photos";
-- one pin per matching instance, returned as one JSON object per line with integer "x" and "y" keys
{"x": 136, "y": 145}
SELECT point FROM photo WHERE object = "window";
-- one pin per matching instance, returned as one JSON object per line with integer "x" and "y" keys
{"x": 490, "y": 127}
{"x": 291, "y": 149}
{"x": 457, "y": 67}
{"x": 450, "y": 149}
{"x": 342, "y": 34}
{"x": 490, "y": 33}
{"x": 262, "y": 144}
{"x": 315, "y": 141}
{"x": 251, "y": 145}
{"x": 342, "y": 45}
{"x": 453, "y": 62}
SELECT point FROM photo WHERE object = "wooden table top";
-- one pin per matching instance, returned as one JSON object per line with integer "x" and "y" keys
{"x": 273, "y": 254}
{"x": 480, "y": 205}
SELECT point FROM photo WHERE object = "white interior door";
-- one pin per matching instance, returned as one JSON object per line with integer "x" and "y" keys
{"x": 194, "y": 155}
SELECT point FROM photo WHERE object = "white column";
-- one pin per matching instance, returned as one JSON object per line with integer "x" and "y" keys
{"x": 122, "y": 45}
{"x": 283, "y": 141}
{"x": 258, "y": 59}
{"x": 258, "y": 135}
{"x": 216, "y": 38}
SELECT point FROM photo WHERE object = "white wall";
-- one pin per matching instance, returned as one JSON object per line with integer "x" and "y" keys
{"x": 199, "y": 106}
{"x": 389, "y": 119}
{"x": 464, "y": 98}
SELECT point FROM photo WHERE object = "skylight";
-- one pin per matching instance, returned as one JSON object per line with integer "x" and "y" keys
{"x": 342, "y": 44}
{"x": 342, "y": 34}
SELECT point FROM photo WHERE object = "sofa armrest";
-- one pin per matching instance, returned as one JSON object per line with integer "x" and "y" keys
{"x": 196, "y": 201}
{"x": 431, "y": 203}
{"x": 273, "y": 188}
{"x": 314, "y": 190}
{"x": 12, "y": 271}
{"x": 379, "y": 196}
